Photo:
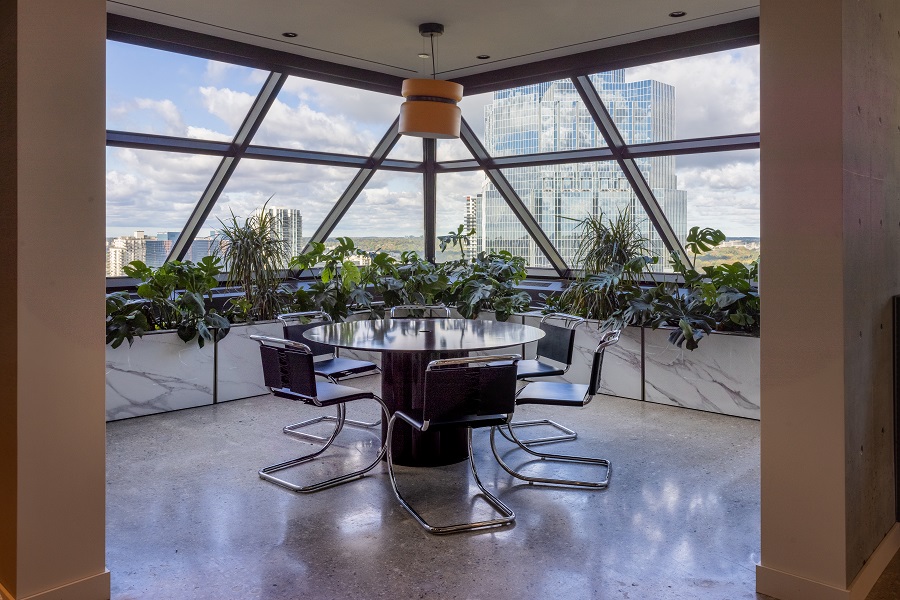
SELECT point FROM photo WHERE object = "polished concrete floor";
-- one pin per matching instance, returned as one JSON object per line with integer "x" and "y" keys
{"x": 188, "y": 517}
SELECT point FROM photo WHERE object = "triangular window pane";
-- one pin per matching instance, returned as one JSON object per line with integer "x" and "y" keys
{"x": 153, "y": 91}
{"x": 387, "y": 215}
{"x": 325, "y": 117}
{"x": 299, "y": 195}
{"x": 148, "y": 195}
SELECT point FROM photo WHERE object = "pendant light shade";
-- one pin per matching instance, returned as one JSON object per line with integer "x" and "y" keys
{"x": 430, "y": 110}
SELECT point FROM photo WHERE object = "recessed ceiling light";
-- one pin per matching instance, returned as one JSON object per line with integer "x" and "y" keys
{"x": 482, "y": 57}
{"x": 289, "y": 34}
{"x": 424, "y": 55}
{"x": 677, "y": 13}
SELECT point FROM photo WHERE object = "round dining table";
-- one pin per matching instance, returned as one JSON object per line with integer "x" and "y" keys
{"x": 406, "y": 347}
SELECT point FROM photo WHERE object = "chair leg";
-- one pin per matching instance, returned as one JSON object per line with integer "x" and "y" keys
{"x": 266, "y": 472}
{"x": 508, "y": 517}
{"x": 567, "y": 434}
{"x": 293, "y": 429}
{"x": 510, "y": 434}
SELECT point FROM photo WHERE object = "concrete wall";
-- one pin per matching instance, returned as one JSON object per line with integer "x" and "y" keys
{"x": 828, "y": 182}
{"x": 53, "y": 230}
{"x": 871, "y": 225}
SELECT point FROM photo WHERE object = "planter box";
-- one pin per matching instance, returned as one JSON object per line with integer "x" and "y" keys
{"x": 158, "y": 373}
{"x": 240, "y": 368}
{"x": 721, "y": 375}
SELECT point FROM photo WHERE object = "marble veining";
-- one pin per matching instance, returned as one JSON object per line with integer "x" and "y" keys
{"x": 240, "y": 368}
{"x": 158, "y": 373}
{"x": 721, "y": 375}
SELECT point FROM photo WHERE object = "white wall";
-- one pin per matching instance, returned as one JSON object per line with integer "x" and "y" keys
{"x": 57, "y": 379}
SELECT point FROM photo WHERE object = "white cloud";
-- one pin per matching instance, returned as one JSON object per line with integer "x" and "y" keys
{"x": 229, "y": 105}
{"x": 716, "y": 94}
{"x": 725, "y": 197}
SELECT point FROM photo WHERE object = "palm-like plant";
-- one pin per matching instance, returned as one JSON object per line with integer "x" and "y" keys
{"x": 611, "y": 257}
{"x": 254, "y": 254}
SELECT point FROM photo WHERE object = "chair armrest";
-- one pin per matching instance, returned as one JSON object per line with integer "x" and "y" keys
{"x": 412, "y": 420}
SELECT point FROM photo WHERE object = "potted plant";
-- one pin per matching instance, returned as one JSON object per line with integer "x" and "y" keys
{"x": 254, "y": 255}
{"x": 174, "y": 296}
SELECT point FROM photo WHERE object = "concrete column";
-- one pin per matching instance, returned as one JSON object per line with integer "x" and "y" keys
{"x": 830, "y": 162}
{"x": 52, "y": 203}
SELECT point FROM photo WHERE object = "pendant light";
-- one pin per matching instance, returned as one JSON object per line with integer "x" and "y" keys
{"x": 430, "y": 109}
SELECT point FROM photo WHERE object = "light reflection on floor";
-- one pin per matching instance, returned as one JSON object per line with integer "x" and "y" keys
{"x": 188, "y": 516}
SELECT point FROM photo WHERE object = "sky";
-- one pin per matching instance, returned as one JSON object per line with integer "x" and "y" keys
{"x": 153, "y": 91}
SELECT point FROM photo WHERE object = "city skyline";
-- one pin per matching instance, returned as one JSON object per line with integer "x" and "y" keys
{"x": 191, "y": 97}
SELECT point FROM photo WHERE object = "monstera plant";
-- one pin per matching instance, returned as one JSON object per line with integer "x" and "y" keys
{"x": 174, "y": 296}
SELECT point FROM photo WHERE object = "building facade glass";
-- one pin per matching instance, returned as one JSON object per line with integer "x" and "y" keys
{"x": 551, "y": 117}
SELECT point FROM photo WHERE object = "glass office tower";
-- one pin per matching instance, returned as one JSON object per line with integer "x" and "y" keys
{"x": 550, "y": 117}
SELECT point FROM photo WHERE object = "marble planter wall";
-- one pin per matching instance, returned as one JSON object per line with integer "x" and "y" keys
{"x": 240, "y": 368}
{"x": 158, "y": 373}
{"x": 721, "y": 375}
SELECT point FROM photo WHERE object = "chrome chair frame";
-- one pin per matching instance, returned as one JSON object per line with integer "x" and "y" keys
{"x": 294, "y": 428}
{"x": 590, "y": 390}
{"x": 266, "y": 473}
{"x": 412, "y": 307}
{"x": 566, "y": 433}
{"x": 507, "y": 516}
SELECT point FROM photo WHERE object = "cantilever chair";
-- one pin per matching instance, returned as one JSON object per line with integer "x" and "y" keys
{"x": 465, "y": 392}
{"x": 288, "y": 373}
{"x": 427, "y": 311}
{"x": 332, "y": 367}
{"x": 560, "y": 394}
{"x": 557, "y": 345}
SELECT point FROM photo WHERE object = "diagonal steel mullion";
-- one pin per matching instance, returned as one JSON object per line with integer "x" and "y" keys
{"x": 480, "y": 153}
{"x": 429, "y": 183}
{"x": 223, "y": 172}
{"x": 356, "y": 185}
{"x": 629, "y": 166}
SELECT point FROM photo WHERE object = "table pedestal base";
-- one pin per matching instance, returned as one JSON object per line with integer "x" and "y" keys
{"x": 403, "y": 388}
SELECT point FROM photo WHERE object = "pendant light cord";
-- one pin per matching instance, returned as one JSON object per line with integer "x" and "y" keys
{"x": 433, "y": 68}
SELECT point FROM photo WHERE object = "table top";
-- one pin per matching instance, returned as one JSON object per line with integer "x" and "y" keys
{"x": 423, "y": 335}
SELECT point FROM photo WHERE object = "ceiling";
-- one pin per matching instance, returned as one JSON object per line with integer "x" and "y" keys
{"x": 382, "y": 35}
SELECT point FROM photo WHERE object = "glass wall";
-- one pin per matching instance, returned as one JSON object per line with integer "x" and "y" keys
{"x": 154, "y": 192}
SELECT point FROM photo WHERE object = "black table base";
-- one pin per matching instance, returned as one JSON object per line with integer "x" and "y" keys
{"x": 403, "y": 388}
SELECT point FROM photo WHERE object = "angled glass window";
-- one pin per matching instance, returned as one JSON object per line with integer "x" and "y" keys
{"x": 153, "y": 91}
{"x": 700, "y": 96}
{"x": 496, "y": 226}
{"x": 544, "y": 117}
{"x": 325, "y": 117}
{"x": 408, "y": 147}
{"x": 452, "y": 150}
{"x": 560, "y": 196}
{"x": 298, "y": 195}
{"x": 473, "y": 111}
{"x": 387, "y": 215}
{"x": 723, "y": 193}
{"x": 459, "y": 200}
{"x": 149, "y": 196}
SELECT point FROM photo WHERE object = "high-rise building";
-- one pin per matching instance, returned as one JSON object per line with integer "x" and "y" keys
{"x": 289, "y": 222}
{"x": 550, "y": 117}
{"x": 122, "y": 250}
{"x": 472, "y": 221}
